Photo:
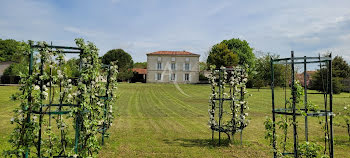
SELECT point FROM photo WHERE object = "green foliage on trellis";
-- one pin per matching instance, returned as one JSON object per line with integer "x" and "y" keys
{"x": 235, "y": 81}
{"x": 91, "y": 113}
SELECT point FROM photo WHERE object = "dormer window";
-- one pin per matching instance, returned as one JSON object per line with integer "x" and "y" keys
{"x": 172, "y": 59}
{"x": 187, "y": 59}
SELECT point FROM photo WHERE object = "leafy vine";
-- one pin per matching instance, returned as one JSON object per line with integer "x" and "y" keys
{"x": 88, "y": 113}
{"x": 236, "y": 79}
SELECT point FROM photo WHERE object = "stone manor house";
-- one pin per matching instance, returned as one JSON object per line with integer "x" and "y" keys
{"x": 172, "y": 66}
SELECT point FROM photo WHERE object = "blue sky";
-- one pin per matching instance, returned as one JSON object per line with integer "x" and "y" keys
{"x": 143, "y": 26}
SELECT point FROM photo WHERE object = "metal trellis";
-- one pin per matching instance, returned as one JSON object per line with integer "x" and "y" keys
{"x": 294, "y": 111}
{"x": 60, "y": 105}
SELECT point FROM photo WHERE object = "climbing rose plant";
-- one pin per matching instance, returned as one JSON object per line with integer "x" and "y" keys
{"x": 235, "y": 80}
{"x": 88, "y": 116}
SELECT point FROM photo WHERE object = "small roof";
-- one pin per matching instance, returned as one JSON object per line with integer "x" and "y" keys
{"x": 173, "y": 53}
{"x": 140, "y": 70}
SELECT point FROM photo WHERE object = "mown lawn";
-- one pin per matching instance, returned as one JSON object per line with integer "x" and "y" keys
{"x": 158, "y": 120}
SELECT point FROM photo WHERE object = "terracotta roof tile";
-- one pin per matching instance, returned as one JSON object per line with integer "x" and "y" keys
{"x": 139, "y": 70}
{"x": 173, "y": 53}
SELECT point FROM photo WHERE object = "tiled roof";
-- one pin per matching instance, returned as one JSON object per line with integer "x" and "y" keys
{"x": 140, "y": 71}
{"x": 173, "y": 53}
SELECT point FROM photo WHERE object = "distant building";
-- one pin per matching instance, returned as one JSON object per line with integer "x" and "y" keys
{"x": 300, "y": 77}
{"x": 172, "y": 66}
{"x": 139, "y": 75}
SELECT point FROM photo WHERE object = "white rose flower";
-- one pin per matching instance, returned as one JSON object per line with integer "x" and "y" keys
{"x": 12, "y": 119}
{"x": 45, "y": 88}
{"x": 45, "y": 94}
{"x": 36, "y": 87}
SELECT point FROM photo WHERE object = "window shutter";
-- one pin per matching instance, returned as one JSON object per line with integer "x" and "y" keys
{"x": 156, "y": 66}
{"x": 155, "y": 76}
{"x": 175, "y": 77}
{"x": 183, "y": 66}
{"x": 189, "y": 77}
{"x": 190, "y": 68}
{"x": 183, "y": 77}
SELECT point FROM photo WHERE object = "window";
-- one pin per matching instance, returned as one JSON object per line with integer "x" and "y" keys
{"x": 159, "y": 76}
{"x": 173, "y": 59}
{"x": 187, "y": 66}
{"x": 159, "y": 65}
{"x": 159, "y": 58}
{"x": 187, "y": 77}
{"x": 172, "y": 77}
{"x": 173, "y": 66}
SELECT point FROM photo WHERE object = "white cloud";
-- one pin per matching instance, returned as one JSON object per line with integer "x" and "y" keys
{"x": 146, "y": 26}
{"x": 218, "y": 8}
{"x": 81, "y": 32}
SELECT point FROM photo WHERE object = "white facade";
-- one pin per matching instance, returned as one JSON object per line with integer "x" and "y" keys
{"x": 164, "y": 68}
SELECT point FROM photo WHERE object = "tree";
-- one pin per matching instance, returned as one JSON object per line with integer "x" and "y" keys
{"x": 15, "y": 69}
{"x": 142, "y": 65}
{"x": 220, "y": 55}
{"x": 340, "y": 70}
{"x": 243, "y": 50}
{"x": 262, "y": 71}
{"x": 257, "y": 81}
{"x": 124, "y": 62}
{"x": 340, "y": 67}
{"x": 10, "y": 50}
{"x": 202, "y": 66}
{"x": 319, "y": 82}
{"x": 72, "y": 68}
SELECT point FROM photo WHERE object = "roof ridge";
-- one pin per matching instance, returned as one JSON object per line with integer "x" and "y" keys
{"x": 170, "y": 52}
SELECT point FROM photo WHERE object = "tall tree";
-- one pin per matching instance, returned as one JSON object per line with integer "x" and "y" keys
{"x": 340, "y": 67}
{"x": 124, "y": 62}
{"x": 232, "y": 52}
{"x": 243, "y": 50}
{"x": 340, "y": 70}
{"x": 262, "y": 75}
{"x": 10, "y": 50}
{"x": 220, "y": 55}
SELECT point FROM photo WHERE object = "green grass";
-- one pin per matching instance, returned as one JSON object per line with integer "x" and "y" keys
{"x": 157, "y": 120}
